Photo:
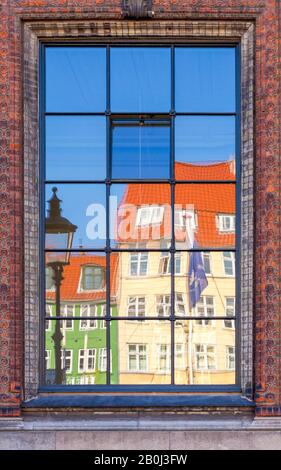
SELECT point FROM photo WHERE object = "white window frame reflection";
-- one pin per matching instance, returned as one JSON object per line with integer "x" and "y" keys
{"x": 149, "y": 215}
{"x": 67, "y": 324}
{"x": 88, "y": 310}
{"x": 139, "y": 260}
{"x": 48, "y": 355}
{"x": 230, "y": 358}
{"x": 229, "y": 312}
{"x": 165, "y": 263}
{"x": 163, "y": 356}
{"x": 67, "y": 355}
{"x": 226, "y": 223}
{"x": 86, "y": 355}
{"x": 207, "y": 255}
{"x": 137, "y": 354}
{"x": 102, "y": 360}
{"x": 206, "y": 355}
{"x": 137, "y": 303}
{"x": 203, "y": 304}
{"x": 228, "y": 258}
{"x": 93, "y": 267}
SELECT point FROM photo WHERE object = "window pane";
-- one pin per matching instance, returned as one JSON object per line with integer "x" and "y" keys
{"x": 84, "y": 206}
{"x": 137, "y": 288}
{"x": 203, "y": 295}
{"x": 75, "y": 148}
{"x": 141, "y": 149}
{"x": 206, "y": 142}
{"x": 75, "y": 79}
{"x": 140, "y": 79}
{"x": 73, "y": 357}
{"x": 205, "y": 79}
{"x": 144, "y": 352}
{"x": 73, "y": 295}
{"x": 209, "y": 354}
{"x": 140, "y": 215}
{"x": 200, "y": 207}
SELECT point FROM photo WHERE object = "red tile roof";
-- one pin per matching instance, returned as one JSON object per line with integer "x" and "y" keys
{"x": 72, "y": 274}
{"x": 207, "y": 201}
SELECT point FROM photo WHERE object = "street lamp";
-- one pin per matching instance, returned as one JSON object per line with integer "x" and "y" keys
{"x": 59, "y": 233}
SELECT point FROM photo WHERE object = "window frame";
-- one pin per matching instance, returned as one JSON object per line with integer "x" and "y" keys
{"x": 172, "y": 388}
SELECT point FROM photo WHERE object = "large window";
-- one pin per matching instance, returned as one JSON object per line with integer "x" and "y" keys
{"x": 140, "y": 175}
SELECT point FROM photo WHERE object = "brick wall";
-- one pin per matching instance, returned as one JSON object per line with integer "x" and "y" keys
{"x": 266, "y": 15}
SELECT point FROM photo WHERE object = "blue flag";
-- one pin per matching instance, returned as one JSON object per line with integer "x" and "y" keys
{"x": 197, "y": 280}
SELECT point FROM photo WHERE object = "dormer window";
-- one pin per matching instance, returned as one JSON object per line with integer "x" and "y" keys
{"x": 184, "y": 218}
{"x": 226, "y": 222}
{"x": 92, "y": 278}
{"x": 149, "y": 215}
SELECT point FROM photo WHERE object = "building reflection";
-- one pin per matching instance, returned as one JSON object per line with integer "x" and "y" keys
{"x": 141, "y": 339}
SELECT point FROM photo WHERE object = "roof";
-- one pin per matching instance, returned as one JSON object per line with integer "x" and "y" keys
{"x": 207, "y": 201}
{"x": 72, "y": 274}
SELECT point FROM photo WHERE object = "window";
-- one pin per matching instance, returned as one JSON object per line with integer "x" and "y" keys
{"x": 87, "y": 360}
{"x": 103, "y": 360}
{"x": 138, "y": 264}
{"x": 68, "y": 311}
{"x": 165, "y": 263}
{"x": 226, "y": 223}
{"x": 139, "y": 157}
{"x": 229, "y": 263}
{"x": 66, "y": 360}
{"x": 229, "y": 312}
{"x": 92, "y": 278}
{"x": 149, "y": 215}
{"x": 205, "y": 357}
{"x": 163, "y": 305}
{"x": 136, "y": 307}
{"x": 137, "y": 357}
{"x": 207, "y": 263}
{"x": 230, "y": 357}
{"x": 48, "y": 314}
{"x": 164, "y": 357}
{"x": 88, "y": 310}
{"x": 205, "y": 308}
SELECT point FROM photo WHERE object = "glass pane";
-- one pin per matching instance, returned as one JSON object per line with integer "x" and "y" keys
{"x": 140, "y": 215}
{"x": 206, "y": 294}
{"x": 75, "y": 148}
{"x": 205, "y": 215}
{"x": 205, "y": 79}
{"x": 75, "y": 79}
{"x": 144, "y": 352}
{"x": 140, "y": 149}
{"x": 140, "y": 287}
{"x": 84, "y": 206}
{"x": 204, "y": 355}
{"x": 72, "y": 354}
{"x": 79, "y": 291}
{"x": 140, "y": 79}
{"x": 205, "y": 147}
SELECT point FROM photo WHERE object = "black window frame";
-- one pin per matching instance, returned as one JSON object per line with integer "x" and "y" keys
{"x": 108, "y": 181}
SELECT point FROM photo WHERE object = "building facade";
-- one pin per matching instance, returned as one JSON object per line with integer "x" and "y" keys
{"x": 198, "y": 286}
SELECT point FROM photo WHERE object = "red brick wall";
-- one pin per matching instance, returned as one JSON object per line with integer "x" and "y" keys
{"x": 267, "y": 15}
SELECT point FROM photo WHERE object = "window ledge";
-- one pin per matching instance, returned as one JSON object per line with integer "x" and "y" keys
{"x": 136, "y": 401}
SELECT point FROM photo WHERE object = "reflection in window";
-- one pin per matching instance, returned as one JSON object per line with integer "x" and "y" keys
{"x": 87, "y": 360}
{"x": 230, "y": 357}
{"x": 66, "y": 360}
{"x": 149, "y": 215}
{"x": 92, "y": 278}
{"x": 136, "y": 307}
{"x": 205, "y": 357}
{"x": 205, "y": 308}
{"x": 229, "y": 312}
{"x": 207, "y": 262}
{"x": 164, "y": 357}
{"x": 226, "y": 223}
{"x": 138, "y": 264}
{"x": 88, "y": 311}
{"x": 229, "y": 263}
{"x": 49, "y": 275}
{"x": 140, "y": 149}
{"x": 165, "y": 263}
{"x": 137, "y": 357}
{"x": 142, "y": 82}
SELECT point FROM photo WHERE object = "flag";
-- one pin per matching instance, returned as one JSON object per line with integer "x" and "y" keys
{"x": 197, "y": 280}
